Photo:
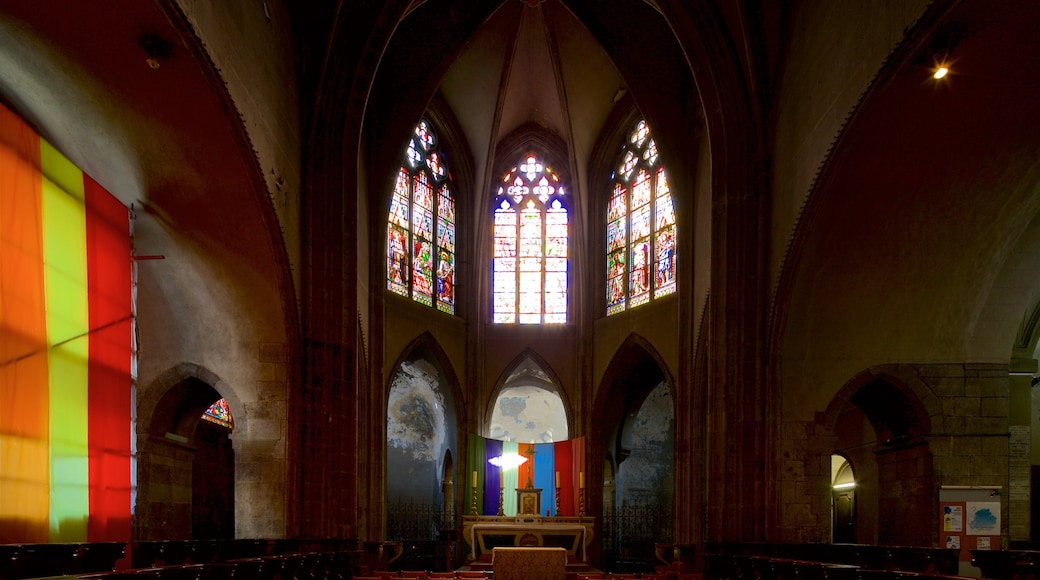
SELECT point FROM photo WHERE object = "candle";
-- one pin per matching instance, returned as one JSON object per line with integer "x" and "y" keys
{"x": 502, "y": 481}
{"x": 557, "y": 479}
{"x": 474, "y": 478}
{"x": 581, "y": 480}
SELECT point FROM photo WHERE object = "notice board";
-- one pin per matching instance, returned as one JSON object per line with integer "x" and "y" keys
{"x": 969, "y": 518}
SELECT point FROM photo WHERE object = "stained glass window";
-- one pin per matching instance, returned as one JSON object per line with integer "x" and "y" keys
{"x": 530, "y": 246}
{"x": 220, "y": 414}
{"x": 420, "y": 239}
{"x": 640, "y": 226}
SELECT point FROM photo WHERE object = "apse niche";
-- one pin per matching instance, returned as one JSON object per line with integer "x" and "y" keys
{"x": 645, "y": 475}
{"x": 420, "y": 429}
{"x": 529, "y": 408}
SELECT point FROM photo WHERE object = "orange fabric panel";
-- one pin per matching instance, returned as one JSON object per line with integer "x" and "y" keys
{"x": 24, "y": 418}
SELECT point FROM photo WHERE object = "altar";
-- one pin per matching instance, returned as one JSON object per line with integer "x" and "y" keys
{"x": 485, "y": 533}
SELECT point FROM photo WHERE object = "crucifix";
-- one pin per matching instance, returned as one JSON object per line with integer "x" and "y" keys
{"x": 530, "y": 455}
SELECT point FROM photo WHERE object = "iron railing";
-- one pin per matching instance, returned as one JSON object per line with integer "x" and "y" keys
{"x": 629, "y": 534}
{"x": 419, "y": 526}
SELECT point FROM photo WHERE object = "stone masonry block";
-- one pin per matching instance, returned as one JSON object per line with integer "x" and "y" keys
{"x": 987, "y": 387}
{"x": 966, "y": 445}
{"x": 994, "y": 407}
{"x": 940, "y": 370}
{"x": 989, "y": 466}
{"x": 946, "y": 386}
{"x": 273, "y": 372}
{"x": 995, "y": 446}
{"x": 994, "y": 425}
{"x": 962, "y": 406}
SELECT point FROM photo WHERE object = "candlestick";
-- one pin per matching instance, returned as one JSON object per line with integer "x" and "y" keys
{"x": 557, "y": 497}
{"x": 473, "y": 509}
{"x": 581, "y": 502}
{"x": 501, "y": 499}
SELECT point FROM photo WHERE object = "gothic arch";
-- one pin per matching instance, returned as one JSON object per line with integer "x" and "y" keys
{"x": 635, "y": 361}
{"x": 880, "y": 421}
{"x": 426, "y": 346}
{"x": 170, "y": 412}
{"x": 552, "y": 384}
{"x": 922, "y": 403}
{"x": 165, "y": 404}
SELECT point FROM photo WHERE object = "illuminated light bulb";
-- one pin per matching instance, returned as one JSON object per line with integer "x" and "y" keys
{"x": 940, "y": 72}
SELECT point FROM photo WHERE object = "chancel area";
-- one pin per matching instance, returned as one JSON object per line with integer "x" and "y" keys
{"x": 408, "y": 288}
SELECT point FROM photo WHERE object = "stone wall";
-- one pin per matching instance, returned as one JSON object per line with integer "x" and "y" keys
{"x": 962, "y": 412}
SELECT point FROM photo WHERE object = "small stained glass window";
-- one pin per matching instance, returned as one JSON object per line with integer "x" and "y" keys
{"x": 220, "y": 414}
{"x": 531, "y": 230}
{"x": 420, "y": 245}
{"x": 640, "y": 226}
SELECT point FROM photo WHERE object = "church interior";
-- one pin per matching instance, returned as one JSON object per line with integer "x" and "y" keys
{"x": 639, "y": 280}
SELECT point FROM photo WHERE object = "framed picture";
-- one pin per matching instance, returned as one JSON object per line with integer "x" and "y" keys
{"x": 528, "y": 501}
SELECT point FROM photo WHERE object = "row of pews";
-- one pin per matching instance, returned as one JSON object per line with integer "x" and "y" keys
{"x": 828, "y": 561}
{"x": 264, "y": 559}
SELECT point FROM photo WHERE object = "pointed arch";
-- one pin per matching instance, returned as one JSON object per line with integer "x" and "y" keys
{"x": 530, "y": 369}
{"x": 880, "y": 421}
{"x": 170, "y": 401}
{"x": 635, "y": 362}
{"x": 918, "y": 405}
{"x": 427, "y": 346}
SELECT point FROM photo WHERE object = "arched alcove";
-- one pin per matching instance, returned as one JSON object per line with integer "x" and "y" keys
{"x": 529, "y": 404}
{"x": 422, "y": 437}
{"x": 880, "y": 427}
{"x": 634, "y": 416}
{"x": 179, "y": 448}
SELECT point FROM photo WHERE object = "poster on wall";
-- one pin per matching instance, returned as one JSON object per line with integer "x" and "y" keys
{"x": 983, "y": 518}
{"x": 969, "y": 519}
{"x": 953, "y": 519}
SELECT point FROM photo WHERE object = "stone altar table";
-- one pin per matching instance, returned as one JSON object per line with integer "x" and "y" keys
{"x": 528, "y": 563}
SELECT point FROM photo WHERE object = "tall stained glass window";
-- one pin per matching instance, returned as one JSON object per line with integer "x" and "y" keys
{"x": 420, "y": 239}
{"x": 640, "y": 226}
{"x": 530, "y": 251}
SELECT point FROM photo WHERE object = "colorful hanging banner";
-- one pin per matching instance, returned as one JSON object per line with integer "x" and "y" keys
{"x": 545, "y": 463}
{"x": 65, "y": 348}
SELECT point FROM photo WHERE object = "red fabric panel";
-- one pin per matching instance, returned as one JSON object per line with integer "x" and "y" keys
{"x": 564, "y": 462}
{"x": 108, "y": 422}
{"x": 24, "y": 402}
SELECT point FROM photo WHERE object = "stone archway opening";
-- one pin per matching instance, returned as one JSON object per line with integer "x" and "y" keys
{"x": 186, "y": 469}
{"x": 881, "y": 430}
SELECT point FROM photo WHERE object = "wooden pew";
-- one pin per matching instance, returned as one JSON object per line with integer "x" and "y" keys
{"x": 1014, "y": 564}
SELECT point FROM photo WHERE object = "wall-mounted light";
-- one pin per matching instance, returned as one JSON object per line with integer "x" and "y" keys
{"x": 849, "y": 485}
{"x": 156, "y": 48}
{"x": 937, "y": 54}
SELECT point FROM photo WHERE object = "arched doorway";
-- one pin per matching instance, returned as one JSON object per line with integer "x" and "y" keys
{"x": 843, "y": 501}
{"x": 182, "y": 452}
{"x": 880, "y": 429}
{"x": 213, "y": 475}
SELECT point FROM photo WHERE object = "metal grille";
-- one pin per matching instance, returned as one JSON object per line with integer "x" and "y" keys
{"x": 418, "y": 525}
{"x": 629, "y": 535}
